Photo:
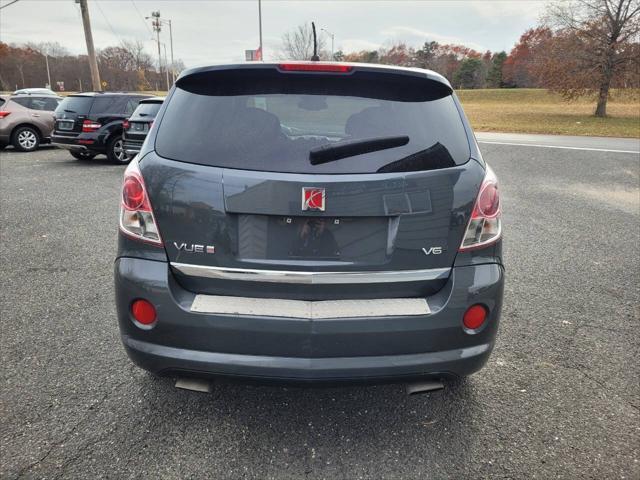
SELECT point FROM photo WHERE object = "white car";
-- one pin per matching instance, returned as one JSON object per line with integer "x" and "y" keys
{"x": 35, "y": 91}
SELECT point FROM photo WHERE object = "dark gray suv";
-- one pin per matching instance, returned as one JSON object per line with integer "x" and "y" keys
{"x": 310, "y": 222}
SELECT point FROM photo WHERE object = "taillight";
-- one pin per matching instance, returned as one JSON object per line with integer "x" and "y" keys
{"x": 90, "y": 126}
{"x": 136, "y": 215}
{"x": 126, "y": 125}
{"x": 484, "y": 226}
{"x": 315, "y": 67}
{"x": 4, "y": 113}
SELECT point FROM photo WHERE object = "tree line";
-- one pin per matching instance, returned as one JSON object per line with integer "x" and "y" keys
{"x": 126, "y": 67}
{"x": 581, "y": 47}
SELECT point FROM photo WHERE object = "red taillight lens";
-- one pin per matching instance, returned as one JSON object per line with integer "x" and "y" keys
{"x": 4, "y": 113}
{"x": 132, "y": 193}
{"x": 144, "y": 312}
{"x": 475, "y": 316}
{"x": 485, "y": 226}
{"x": 488, "y": 203}
{"x": 126, "y": 125}
{"x": 136, "y": 215}
{"x": 315, "y": 67}
{"x": 90, "y": 126}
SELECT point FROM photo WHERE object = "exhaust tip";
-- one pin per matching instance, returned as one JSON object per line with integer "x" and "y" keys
{"x": 194, "y": 384}
{"x": 424, "y": 387}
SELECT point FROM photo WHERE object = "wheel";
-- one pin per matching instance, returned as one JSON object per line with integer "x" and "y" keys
{"x": 25, "y": 139}
{"x": 115, "y": 150}
{"x": 82, "y": 155}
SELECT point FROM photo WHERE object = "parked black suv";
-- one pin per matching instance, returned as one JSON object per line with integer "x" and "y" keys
{"x": 135, "y": 129}
{"x": 88, "y": 124}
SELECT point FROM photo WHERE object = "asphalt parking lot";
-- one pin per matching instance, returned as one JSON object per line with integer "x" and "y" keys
{"x": 558, "y": 399}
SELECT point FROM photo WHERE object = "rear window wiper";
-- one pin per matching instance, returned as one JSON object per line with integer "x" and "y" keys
{"x": 351, "y": 148}
{"x": 70, "y": 111}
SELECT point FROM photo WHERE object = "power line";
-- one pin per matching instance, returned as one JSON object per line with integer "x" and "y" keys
{"x": 108, "y": 23}
{"x": 10, "y": 3}
{"x": 142, "y": 18}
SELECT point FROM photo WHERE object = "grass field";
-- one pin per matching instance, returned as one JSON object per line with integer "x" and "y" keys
{"x": 537, "y": 111}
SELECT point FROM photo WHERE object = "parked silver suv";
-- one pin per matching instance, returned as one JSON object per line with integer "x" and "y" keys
{"x": 26, "y": 121}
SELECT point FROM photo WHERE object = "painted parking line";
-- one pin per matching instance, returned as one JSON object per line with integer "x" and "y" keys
{"x": 559, "y": 146}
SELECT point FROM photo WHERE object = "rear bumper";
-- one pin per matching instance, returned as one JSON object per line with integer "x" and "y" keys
{"x": 132, "y": 147}
{"x": 303, "y": 350}
{"x": 449, "y": 363}
{"x": 72, "y": 143}
{"x": 71, "y": 147}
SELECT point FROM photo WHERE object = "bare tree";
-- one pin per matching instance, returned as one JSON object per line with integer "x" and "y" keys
{"x": 139, "y": 58}
{"x": 297, "y": 44}
{"x": 603, "y": 32}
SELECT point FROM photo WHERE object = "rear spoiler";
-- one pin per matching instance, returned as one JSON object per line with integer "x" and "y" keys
{"x": 316, "y": 78}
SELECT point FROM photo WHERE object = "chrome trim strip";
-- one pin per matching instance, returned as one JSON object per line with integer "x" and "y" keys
{"x": 315, "y": 278}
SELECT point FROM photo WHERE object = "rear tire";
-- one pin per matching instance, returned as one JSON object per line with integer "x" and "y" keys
{"x": 25, "y": 139}
{"x": 82, "y": 155}
{"x": 115, "y": 151}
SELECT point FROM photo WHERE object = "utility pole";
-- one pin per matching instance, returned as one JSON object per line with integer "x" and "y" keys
{"x": 157, "y": 26}
{"x": 93, "y": 62}
{"x": 46, "y": 59}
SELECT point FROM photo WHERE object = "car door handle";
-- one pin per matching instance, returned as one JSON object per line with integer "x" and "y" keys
{"x": 35, "y": 114}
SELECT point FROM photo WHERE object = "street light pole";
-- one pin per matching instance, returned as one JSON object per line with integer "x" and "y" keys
{"x": 173, "y": 65}
{"x": 260, "y": 27}
{"x": 332, "y": 38}
{"x": 166, "y": 70}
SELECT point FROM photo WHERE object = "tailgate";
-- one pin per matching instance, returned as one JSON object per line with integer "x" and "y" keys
{"x": 270, "y": 181}
{"x": 225, "y": 230}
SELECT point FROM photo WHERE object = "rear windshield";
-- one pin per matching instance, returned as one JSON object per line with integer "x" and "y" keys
{"x": 282, "y": 127}
{"x": 147, "y": 109}
{"x": 79, "y": 105}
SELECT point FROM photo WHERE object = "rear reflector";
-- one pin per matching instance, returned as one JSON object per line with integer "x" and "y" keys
{"x": 474, "y": 317}
{"x": 4, "y": 114}
{"x": 143, "y": 312}
{"x": 315, "y": 67}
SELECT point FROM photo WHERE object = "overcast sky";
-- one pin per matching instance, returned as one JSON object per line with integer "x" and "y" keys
{"x": 208, "y": 31}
